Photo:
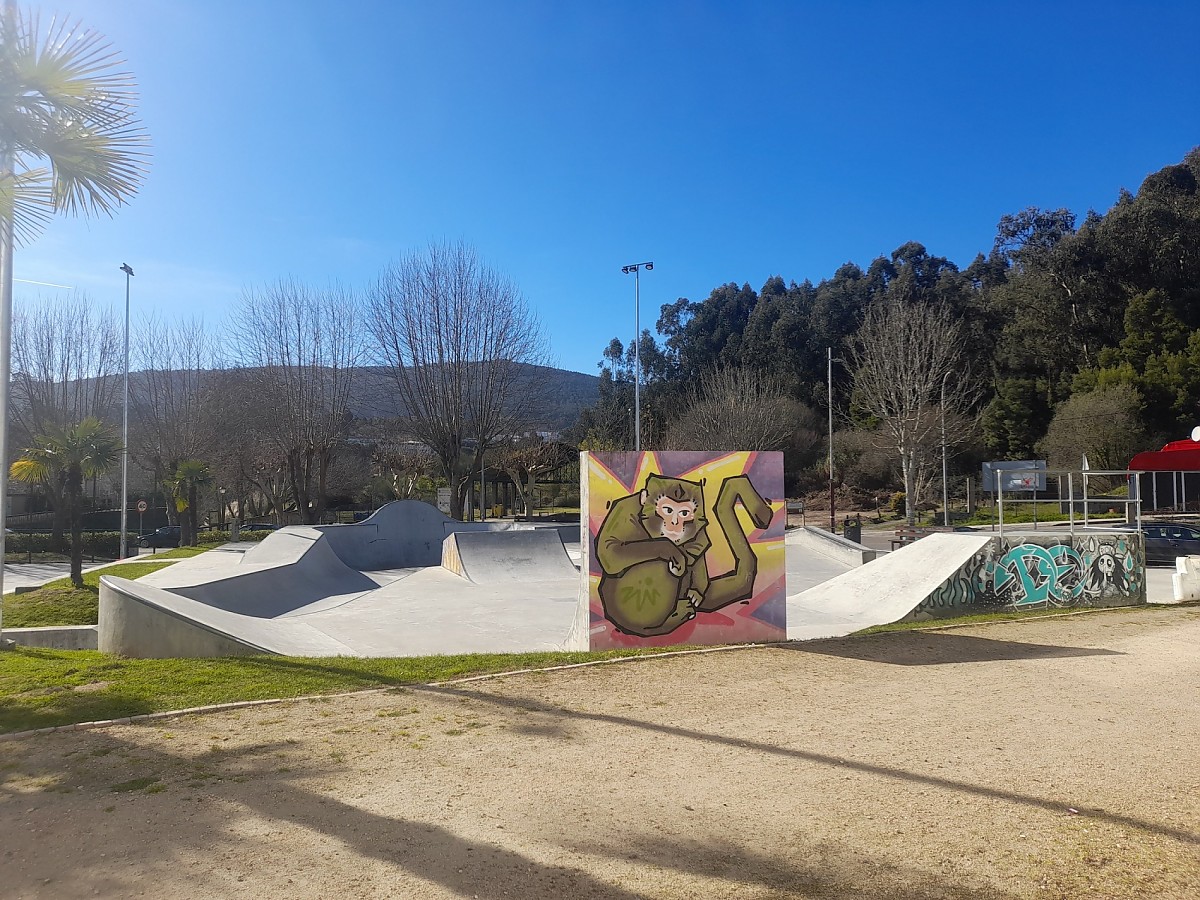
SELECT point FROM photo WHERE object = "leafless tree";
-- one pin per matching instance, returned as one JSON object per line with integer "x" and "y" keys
{"x": 66, "y": 355}
{"x": 302, "y": 346}
{"x": 738, "y": 409}
{"x": 524, "y": 459}
{"x": 454, "y": 335}
{"x": 174, "y": 362}
{"x": 903, "y": 357}
{"x": 66, "y": 363}
{"x": 244, "y": 459}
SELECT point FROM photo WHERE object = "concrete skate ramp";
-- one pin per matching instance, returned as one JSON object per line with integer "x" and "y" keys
{"x": 519, "y": 557}
{"x": 882, "y": 591}
{"x": 399, "y": 535}
{"x": 291, "y": 569}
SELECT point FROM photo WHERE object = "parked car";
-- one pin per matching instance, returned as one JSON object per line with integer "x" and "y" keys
{"x": 259, "y": 526}
{"x": 1167, "y": 540}
{"x": 161, "y": 537}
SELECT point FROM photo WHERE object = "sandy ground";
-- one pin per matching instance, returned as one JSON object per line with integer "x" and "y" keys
{"x": 1052, "y": 758}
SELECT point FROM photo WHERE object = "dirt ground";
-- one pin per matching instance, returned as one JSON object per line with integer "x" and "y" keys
{"x": 1047, "y": 758}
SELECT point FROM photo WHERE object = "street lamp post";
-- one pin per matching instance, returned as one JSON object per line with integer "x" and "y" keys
{"x": 637, "y": 358}
{"x": 125, "y": 426}
{"x": 832, "y": 516}
{"x": 945, "y": 490}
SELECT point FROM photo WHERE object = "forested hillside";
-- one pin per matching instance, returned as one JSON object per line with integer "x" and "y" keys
{"x": 1078, "y": 336}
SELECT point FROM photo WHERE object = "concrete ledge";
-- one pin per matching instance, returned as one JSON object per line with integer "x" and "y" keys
{"x": 55, "y": 637}
{"x": 831, "y": 545}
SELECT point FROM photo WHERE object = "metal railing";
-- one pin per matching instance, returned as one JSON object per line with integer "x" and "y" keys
{"x": 1132, "y": 501}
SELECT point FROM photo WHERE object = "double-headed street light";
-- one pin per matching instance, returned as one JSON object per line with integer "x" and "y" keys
{"x": 125, "y": 425}
{"x": 637, "y": 357}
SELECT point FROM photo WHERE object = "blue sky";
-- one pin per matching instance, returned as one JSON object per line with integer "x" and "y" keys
{"x": 723, "y": 141}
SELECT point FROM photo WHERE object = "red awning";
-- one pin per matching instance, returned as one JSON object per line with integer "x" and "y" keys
{"x": 1177, "y": 456}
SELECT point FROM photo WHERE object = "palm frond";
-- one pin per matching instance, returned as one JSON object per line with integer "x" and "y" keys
{"x": 30, "y": 469}
{"x": 27, "y": 199}
{"x": 63, "y": 98}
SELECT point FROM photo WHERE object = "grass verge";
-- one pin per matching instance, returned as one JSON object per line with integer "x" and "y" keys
{"x": 61, "y": 603}
{"x": 40, "y": 688}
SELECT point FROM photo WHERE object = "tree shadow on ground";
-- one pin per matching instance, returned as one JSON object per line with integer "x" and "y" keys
{"x": 828, "y": 870}
{"x": 938, "y": 648}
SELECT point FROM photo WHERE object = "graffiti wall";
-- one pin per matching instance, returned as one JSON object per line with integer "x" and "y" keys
{"x": 1030, "y": 571}
{"x": 683, "y": 548}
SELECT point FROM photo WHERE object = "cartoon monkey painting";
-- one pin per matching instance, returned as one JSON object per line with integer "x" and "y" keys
{"x": 651, "y": 548}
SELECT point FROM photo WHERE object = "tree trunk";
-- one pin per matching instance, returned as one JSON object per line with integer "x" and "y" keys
{"x": 75, "y": 515}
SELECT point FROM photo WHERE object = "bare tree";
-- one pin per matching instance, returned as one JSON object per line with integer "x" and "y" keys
{"x": 244, "y": 460}
{"x": 525, "y": 459}
{"x": 454, "y": 335}
{"x": 303, "y": 347}
{"x": 738, "y": 409}
{"x": 904, "y": 356}
{"x": 168, "y": 395}
{"x": 66, "y": 354}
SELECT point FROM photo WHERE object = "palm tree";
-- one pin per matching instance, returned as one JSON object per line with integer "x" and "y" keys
{"x": 70, "y": 141}
{"x": 189, "y": 477}
{"x": 67, "y": 456}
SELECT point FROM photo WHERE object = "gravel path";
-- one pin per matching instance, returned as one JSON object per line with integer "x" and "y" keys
{"x": 1047, "y": 758}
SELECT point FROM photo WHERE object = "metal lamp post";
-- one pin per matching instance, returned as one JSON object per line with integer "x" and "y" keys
{"x": 125, "y": 426}
{"x": 945, "y": 489}
{"x": 637, "y": 358}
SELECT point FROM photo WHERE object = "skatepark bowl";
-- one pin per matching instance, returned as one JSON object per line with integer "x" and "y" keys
{"x": 409, "y": 581}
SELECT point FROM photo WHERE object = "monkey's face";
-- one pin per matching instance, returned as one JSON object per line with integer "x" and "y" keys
{"x": 677, "y": 517}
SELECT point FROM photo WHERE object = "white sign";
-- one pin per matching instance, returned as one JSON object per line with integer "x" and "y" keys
{"x": 444, "y": 500}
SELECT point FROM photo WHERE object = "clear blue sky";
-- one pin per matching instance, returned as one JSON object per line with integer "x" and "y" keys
{"x": 724, "y": 141}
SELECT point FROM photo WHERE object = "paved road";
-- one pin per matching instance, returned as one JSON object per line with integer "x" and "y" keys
{"x": 36, "y": 574}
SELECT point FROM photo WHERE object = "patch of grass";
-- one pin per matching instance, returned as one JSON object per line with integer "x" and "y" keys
{"x": 37, "y": 685}
{"x": 61, "y": 603}
{"x": 183, "y": 552}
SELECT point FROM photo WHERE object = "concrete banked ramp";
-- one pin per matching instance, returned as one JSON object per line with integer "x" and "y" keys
{"x": 885, "y": 591}
{"x": 518, "y": 557}
{"x": 375, "y": 588}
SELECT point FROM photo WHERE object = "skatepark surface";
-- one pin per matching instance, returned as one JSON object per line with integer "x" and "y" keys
{"x": 409, "y": 581}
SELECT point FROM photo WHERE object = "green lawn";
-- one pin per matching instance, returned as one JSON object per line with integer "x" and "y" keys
{"x": 61, "y": 603}
{"x": 40, "y": 688}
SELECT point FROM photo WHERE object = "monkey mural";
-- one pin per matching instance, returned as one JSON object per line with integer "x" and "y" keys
{"x": 651, "y": 549}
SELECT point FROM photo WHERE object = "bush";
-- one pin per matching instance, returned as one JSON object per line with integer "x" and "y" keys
{"x": 221, "y": 536}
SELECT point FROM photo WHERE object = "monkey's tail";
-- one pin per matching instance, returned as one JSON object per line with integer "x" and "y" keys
{"x": 738, "y": 584}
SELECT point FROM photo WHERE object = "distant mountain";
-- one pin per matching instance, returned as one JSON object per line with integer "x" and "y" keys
{"x": 563, "y": 395}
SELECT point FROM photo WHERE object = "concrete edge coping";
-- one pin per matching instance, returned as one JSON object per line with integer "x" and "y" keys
{"x": 248, "y": 704}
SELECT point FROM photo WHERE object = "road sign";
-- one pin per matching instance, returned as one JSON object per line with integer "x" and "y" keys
{"x": 142, "y": 507}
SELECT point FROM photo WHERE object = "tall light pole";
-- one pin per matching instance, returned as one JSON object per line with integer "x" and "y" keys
{"x": 832, "y": 519}
{"x": 945, "y": 490}
{"x": 6, "y": 298}
{"x": 637, "y": 346}
{"x": 125, "y": 425}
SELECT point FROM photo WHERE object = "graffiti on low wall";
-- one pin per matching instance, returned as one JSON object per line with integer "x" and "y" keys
{"x": 684, "y": 548}
{"x": 1030, "y": 572}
